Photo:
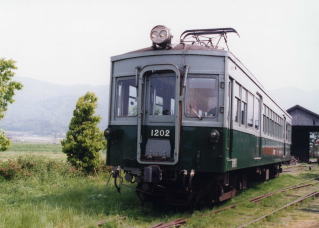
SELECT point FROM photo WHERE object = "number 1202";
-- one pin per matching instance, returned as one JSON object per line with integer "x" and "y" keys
{"x": 162, "y": 133}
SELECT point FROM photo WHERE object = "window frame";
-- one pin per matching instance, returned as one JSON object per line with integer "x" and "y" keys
{"x": 243, "y": 110}
{"x": 257, "y": 113}
{"x": 151, "y": 114}
{"x": 115, "y": 99}
{"x": 250, "y": 105}
{"x": 198, "y": 75}
{"x": 237, "y": 103}
{"x": 155, "y": 119}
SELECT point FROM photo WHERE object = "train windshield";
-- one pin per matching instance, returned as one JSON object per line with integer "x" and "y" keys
{"x": 162, "y": 94}
{"x": 201, "y": 97}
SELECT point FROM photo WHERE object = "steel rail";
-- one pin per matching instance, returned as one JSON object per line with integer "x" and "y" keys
{"x": 259, "y": 198}
{"x": 300, "y": 199}
{"x": 263, "y": 196}
{"x": 295, "y": 168}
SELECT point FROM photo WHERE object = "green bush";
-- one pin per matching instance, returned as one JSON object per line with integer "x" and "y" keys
{"x": 10, "y": 169}
{"x": 4, "y": 141}
{"x": 35, "y": 166}
{"x": 84, "y": 140}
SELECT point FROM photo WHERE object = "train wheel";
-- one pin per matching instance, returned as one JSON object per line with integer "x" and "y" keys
{"x": 204, "y": 197}
{"x": 274, "y": 171}
{"x": 242, "y": 182}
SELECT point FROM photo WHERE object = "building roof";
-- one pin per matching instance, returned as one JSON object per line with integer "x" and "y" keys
{"x": 298, "y": 107}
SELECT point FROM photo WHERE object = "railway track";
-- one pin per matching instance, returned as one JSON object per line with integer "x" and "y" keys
{"x": 300, "y": 199}
{"x": 312, "y": 182}
{"x": 296, "y": 168}
{"x": 174, "y": 223}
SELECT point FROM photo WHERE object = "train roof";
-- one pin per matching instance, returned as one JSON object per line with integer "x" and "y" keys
{"x": 186, "y": 49}
{"x": 175, "y": 49}
{"x": 182, "y": 47}
{"x": 194, "y": 49}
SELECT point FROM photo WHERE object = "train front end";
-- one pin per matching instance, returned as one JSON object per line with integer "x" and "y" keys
{"x": 166, "y": 115}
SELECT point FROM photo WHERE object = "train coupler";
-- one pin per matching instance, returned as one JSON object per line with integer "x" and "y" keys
{"x": 116, "y": 174}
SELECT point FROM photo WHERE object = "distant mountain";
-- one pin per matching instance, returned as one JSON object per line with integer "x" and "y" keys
{"x": 44, "y": 108}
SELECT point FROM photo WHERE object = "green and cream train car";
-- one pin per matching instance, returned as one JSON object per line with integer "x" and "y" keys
{"x": 189, "y": 123}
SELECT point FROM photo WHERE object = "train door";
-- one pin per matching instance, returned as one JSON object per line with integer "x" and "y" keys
{"x": 158, "y": 115}
{"x": 258, "y": 116}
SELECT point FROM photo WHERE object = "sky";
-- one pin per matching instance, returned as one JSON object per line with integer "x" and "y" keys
{"x": 71, "y": 41}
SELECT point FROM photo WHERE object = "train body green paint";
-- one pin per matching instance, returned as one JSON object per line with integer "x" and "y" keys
{"x": 190, "y": 114}
{"x": 197, "y": 152}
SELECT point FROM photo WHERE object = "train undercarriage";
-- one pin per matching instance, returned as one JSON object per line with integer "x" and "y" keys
{"x": 192, "y": 189}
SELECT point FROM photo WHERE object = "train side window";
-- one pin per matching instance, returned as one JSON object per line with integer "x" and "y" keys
{"x": 236, "y": 110}
{"x": 278, "y": 126}
{"x": 237, "y": 102}
{"x": 256, "y": 112}
{"x": 264, "y": 119}
{"x": 271, "y": 123}
{"x": 250, "y": 110}
{"x": 126, "y": 105}
{"x": 237, "y": 90}
{"x": 282, "y": 128}
{"x": 230, "y": 85}
{"x": 279, "y": 133}
{"x": 243, "y": 112}
{"x": 265, "y": 124}
{"x": 275, "y": 125}
{"x": 244, "y": 106}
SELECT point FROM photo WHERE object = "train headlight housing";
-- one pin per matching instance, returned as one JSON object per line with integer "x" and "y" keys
{"x": 214, "y": 136}
{"x": 161, "y": 36}
{"x": 107, "y": 133}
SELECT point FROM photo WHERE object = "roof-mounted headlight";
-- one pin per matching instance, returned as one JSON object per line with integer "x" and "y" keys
{"x": 161, "y": 36}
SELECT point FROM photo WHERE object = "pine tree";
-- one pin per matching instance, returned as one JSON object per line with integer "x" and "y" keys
{"x": 84, "y": 140}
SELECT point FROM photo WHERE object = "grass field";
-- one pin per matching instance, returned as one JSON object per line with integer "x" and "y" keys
{"x": 53, "y": 151}
{"x": 49, "y": 196}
